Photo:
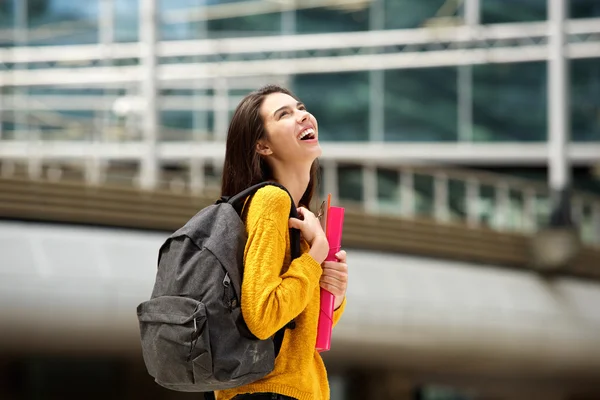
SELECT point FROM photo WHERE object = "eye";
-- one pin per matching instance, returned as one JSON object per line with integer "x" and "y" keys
{"x": 283, "y": 114}
{"x": 302, "y": 108}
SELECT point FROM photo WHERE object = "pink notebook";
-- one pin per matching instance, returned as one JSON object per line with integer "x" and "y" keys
{"x": 333, "y": 219}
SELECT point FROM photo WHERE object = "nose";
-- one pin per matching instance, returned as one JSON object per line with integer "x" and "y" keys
{"x": 303, "y": 116}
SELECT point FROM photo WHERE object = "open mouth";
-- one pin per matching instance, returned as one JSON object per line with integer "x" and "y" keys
{"x": 307, "y": 134}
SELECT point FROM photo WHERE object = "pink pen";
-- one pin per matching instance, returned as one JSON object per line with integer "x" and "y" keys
{"x": 335, "y": 224}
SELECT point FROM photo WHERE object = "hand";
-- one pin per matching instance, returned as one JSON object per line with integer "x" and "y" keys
{"x": 309, "y": 225}
{"x": 335, "y": 278}
{"x": 312, "y": 232}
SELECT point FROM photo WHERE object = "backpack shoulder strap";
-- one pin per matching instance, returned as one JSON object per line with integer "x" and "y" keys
{"x": 237, "y": 202}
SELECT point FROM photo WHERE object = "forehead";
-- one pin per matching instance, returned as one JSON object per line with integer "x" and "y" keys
{"x": 275, "y": 101}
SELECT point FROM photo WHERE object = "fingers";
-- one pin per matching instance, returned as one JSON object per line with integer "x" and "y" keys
{"x": 335, "y": 269}
{"x": 334, "y": 278}
{"x": 295, "y": 223}
{"x": 341, "y": 256}
{"x": 333, "y": 286}
{"x": 303, "y": 212}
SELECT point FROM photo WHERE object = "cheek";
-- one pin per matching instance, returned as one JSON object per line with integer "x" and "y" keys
{"x": 280, "y": 135}
{"x": 314, "y": 121}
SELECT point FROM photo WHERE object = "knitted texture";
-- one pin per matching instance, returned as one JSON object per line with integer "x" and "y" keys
{"x": 275, "y": 291}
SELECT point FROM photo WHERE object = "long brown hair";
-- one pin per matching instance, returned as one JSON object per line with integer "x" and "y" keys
{"x": 243, "y": 166}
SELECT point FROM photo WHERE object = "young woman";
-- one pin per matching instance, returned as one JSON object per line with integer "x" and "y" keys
{"x": 272, "y": 137}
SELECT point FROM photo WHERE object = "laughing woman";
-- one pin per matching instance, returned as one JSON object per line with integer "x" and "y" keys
{"x": 272, "y": 137}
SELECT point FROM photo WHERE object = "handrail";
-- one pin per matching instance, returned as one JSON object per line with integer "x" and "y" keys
{"x": 440, "y": 194}
{"x": 127, "y": 207}
{"x": 303, "y": 42}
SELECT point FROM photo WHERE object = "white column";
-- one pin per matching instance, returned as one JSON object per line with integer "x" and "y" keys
{"x": 288, "y": 17}
{"x": 558, "y": 99}
{"x": 530, "y": 210}
{"x": 370, "y": 188}
{"x": 441, "y": 209}
{"x": 106, "y": 21}
{"x": 407, "y": 193}
{"x": 197, "y": 172}
{"x": 288, "y": 27}
{"x": 148, "y": 38}
{"x": 472, "y": 202}
{"x": 221, "y": 108}
{"x": 197, "y": 176}
{"x": 197, "y": 165}
{"x": 221, "y": 111}
{"x": 20, "y": 38}
{"x": 330, "y": 180}
{"x": 471, "y": 16}
{"x": 502, "y": 194}
{"x": 377, "y": 80}
{"x": 34, "y": 158}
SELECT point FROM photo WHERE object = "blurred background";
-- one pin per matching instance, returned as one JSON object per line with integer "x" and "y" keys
{"x": 462, "y": 136}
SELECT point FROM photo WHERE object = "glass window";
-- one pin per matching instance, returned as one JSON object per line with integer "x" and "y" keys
{"x": 498, "y": 11}
{"x": 176, "y": 125}
{"x": 127, "y": 20}
{"x": 340, "y": 102}
{"x": 252, "y": 25}
{"x": 516, "y": 211}
{"x": 509, "y": 102}
{"x": 350, "y": 183}
{"x": 585, "y": 100}
{"x": 7, "y": 20}
{"x": 180, "y": 125}
{"x": 413, "y": 13}
{"x": 586, "y": 224}
{"x": 243, "y": 18}
{"x": 543, "y": 209}
{"x": 323, "y": 20}
{"x": 584, "y": 8}
{"x": 424, "y": 195}
{"x": 62, "y": 22}
{"x": 420, "y": 105}
{"x": 388, "y": 191}
{"x": 457, "y": 199}
{"x": 487, "y": 205}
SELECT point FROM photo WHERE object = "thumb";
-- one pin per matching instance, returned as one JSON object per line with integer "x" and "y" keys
{"x": 295, "y": 223}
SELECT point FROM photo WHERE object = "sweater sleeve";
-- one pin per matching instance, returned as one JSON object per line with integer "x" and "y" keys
{"x": 271, "y": 299}
{"x": 337, "y": 314}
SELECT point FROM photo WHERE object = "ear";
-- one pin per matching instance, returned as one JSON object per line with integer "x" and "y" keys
{"x": 262, "y": 148}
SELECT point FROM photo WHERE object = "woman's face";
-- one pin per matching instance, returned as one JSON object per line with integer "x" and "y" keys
{"x": 292, "y": 132}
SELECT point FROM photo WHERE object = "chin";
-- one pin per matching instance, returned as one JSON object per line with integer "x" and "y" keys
{"x": 318, "y": 151}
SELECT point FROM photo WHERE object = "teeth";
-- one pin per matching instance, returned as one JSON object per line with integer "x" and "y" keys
{"x": 309, "y": 131}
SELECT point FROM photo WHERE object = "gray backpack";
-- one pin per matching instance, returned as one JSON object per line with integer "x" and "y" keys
{"x": 193, "y": 336}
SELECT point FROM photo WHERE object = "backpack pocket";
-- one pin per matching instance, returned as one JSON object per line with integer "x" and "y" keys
{"x": 175, "y": 344}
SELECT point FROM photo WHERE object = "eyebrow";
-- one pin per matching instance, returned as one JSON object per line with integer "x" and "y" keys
{"x": 298, "y": 104}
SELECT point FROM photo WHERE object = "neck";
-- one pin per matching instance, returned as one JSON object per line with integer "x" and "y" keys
{"x": 295, "y": 181}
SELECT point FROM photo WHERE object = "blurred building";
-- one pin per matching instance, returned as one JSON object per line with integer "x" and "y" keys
{"x": 468, "y": 113}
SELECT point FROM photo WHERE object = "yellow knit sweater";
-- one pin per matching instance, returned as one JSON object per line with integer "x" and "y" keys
{"x": 275, "y": 291}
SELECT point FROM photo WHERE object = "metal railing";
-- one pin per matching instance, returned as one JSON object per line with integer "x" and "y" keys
{"x": 310, "y": 53}
{"x": 447, "y": 196}
{"x": 474, "y": 198}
